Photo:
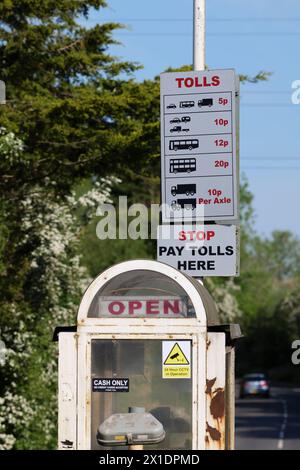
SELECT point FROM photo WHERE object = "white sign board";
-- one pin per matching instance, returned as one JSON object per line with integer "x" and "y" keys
{"x": 198, "y": 146}
{"x": 200, "y": 250}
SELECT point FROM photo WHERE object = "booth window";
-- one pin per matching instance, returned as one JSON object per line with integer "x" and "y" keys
{"x": 141, "y": 293}
{"x": 139, "y": 362}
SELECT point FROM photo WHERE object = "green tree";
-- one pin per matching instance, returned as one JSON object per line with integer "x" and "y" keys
{"x": 67, "y": 115}
{"x": 65, "y": 98}
{"x": 41, "y": 284}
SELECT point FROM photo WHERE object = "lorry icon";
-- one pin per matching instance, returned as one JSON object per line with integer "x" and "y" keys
{"x": 178, "y": 129}
{"x": 187, "y": 189}
{"x": 205, "y": 102}
{"x": 184, "y": 204}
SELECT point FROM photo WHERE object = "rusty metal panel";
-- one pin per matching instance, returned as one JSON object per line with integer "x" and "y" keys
{"x": 84, "y": 403}
{"x": 215, "y": 392}
{"x": 199, "y": 379}
{"x": 67, "y": 392}
{"x": 230, "y": 398}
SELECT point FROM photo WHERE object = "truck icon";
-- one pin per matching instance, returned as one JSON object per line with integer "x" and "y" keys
{"x": 178, "y": 129}
{"x": 206, "y": 102}
{"x": 187, "y": 189}
{"x": 184, "y": 204}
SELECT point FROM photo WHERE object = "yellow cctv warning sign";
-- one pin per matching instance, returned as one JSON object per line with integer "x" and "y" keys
{"x": 176, "y": 359}
{"x": 176, "y": 356}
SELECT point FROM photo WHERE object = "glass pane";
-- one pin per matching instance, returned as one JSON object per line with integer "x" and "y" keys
{"x": 141, "y": 293}
{"x": 140, "y": 361}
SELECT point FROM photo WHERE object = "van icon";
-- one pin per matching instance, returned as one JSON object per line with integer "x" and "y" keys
{"x": 206, "y": 102}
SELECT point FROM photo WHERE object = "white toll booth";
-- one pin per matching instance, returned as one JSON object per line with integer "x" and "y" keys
{"x": 147, "y": 337}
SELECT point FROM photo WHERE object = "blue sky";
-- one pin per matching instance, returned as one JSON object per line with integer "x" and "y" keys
{"x": 248, "y": 35}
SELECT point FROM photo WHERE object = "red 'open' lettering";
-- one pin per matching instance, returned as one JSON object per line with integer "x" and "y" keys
{"x": 116, "y": 308}
{"x": 152, "y": 307}
{"x": 172, "y": 306}
{"x": 134, "y": 305}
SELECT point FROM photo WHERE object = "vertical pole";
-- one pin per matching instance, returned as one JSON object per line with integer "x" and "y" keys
{"x": 199, "y": 34}
{"x": 199, "y": 41}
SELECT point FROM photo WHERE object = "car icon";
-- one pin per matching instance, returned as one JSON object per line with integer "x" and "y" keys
{"x": 175, "y": 121}
{"x": 185, "y": 119}
{"x": 171, "y": 106}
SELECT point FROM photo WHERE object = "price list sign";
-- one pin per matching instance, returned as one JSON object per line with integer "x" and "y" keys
{"x": 199, "y": 146}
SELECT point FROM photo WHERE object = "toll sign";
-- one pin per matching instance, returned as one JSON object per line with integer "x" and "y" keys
{"x": 200, "y": 250}
{"x": 199, "y": 170}
{"x": 176, "y": 359}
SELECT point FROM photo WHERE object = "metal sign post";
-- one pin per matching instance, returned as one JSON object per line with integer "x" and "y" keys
{"x": 199, "y": 163}
{"x": 199, "y": 34}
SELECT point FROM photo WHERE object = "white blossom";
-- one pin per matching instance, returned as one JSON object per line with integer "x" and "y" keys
{"x": 50, "y": 231}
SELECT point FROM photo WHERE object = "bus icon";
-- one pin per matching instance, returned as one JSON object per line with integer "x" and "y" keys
{"x": 187, "y": 104}
{"x": 182, "y": 165}
{"x": 186, "y": 144}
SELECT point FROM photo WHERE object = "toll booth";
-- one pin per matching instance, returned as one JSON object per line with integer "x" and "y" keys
{"x": 147, "y": 336}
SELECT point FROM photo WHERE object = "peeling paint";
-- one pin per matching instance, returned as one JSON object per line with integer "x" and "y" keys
{"x": 217, "y": 406}
{"x": 213, "y": 432}
{"x": 209, "y": 385}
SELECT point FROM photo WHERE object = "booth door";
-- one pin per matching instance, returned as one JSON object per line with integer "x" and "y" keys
{"x": 141, "y": 363}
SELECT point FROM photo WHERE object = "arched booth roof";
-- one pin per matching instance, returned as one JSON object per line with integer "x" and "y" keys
{"x": 146, "y": 290}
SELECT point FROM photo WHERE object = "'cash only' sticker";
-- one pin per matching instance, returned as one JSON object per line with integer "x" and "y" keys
{"x": 113, "y": 384}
